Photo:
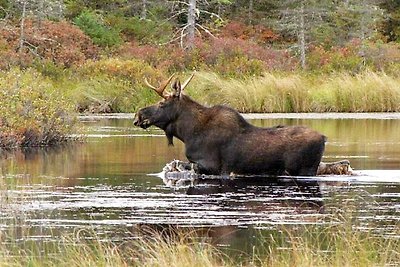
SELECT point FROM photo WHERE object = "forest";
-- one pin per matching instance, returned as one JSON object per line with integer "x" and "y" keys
{"x": 256, "y": 56}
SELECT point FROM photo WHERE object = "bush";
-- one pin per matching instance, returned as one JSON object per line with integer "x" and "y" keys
{"x": 95, "y": 28}
{"x": 239, "y": 66}
{"x": 257, "y": 33}
{"x": 32, "y": 112}
{"x": 226, "y": 54}
{"x": 58, "y": 42}
{"x": 140, "y": 30}
{"x": 8, "y": 56}
{"x": 133, "y": 70}
{"x": 354, "y": 57}
{"x": 112, "y": 85}
{"x": 344, "y": 58}
{"x": 147, "y": 53}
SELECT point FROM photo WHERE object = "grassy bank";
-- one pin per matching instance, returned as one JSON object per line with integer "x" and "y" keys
{"x": 272, "y": 92}
{"x": 39, "y": 105}
{"x": 117, "y": 86}
{"x": 336, "y": 245}
{"x": 301, "y": 92}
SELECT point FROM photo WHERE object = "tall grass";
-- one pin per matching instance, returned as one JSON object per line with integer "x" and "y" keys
{"x": 339, "y": 244}
{"x": 116, "y": 85}
{"x": 300, "y": 92}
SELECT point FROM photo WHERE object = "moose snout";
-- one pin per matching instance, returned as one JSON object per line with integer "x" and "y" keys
{"x": 136, "y": 119}
{"x": 141, "y": 120}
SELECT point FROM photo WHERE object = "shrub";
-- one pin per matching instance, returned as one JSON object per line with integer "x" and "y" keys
{"x": 336, "y": 59}
{"x": 354, "y": 57}
{"x": 32, "y": 112}
{"x": 222, "y": 55}
{"x": 133, "y": 70}
{"x": 272, "y": 59}
{"x": 239, "y": 66}
{"x": 58, "y": 42}
{"x": 95, "y": 28}
{"x": 147, "y": 53}
{"x": 143, "y": 31}
{"x": 112, "y": 85}
{"x": 257, "y": 33}
{"x": 8, "y": 56}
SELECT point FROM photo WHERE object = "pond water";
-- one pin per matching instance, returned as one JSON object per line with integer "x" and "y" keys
{"x": 104, "y": 184}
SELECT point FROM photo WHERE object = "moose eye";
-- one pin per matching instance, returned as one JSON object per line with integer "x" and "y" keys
{"x": 161, "y": 104}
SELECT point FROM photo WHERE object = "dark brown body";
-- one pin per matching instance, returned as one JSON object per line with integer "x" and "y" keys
{"x": 220, "y": 141}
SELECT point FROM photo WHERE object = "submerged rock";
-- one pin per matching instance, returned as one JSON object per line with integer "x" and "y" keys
{"x": 335, "y": 168}
{"x": 179, "y": 173}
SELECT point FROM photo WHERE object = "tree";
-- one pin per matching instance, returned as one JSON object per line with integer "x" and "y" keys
{"x": 391, "y": 26}
{"x": 298, "y": 17}
{"x": 197, "y": 13}
{"x": 191, "y": 23}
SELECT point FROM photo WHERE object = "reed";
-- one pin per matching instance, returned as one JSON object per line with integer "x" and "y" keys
{"x": 336, "y": 244}
{"x": 301, "y": 92}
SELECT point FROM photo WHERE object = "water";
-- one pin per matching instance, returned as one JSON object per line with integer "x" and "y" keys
{"x": 103, "y": 184}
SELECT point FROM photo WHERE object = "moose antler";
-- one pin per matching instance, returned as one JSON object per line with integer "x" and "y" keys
{"x": 161, "y": 88}
{"x": 178, "y": 88}
{"x": 187, "y": 81}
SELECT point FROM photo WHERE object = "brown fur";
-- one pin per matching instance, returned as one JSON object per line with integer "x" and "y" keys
{"x": 220, "y": 141}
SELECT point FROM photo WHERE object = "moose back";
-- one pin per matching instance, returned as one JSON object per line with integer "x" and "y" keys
{"x": 220, "y": 141}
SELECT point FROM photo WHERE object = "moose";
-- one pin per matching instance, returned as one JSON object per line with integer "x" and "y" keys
{"x": 219, "y": 141}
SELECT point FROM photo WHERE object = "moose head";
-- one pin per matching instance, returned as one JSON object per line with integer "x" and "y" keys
{"x": 165, "y": 111}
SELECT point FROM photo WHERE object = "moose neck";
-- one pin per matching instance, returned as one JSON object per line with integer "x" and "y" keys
{"x": 189, "y": 120}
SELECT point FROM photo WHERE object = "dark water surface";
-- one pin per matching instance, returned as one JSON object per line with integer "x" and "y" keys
{"x": 104, "y": 185}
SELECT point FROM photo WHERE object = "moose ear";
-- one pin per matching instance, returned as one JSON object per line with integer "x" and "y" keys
{"x": 176, "y": 86}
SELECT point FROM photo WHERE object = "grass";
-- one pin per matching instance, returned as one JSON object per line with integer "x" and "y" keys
{"x": 115, "y": 85}
{"x": 300, "y": 92}
{"x": 38, "y": 108}
{"x": 338, "y": 244}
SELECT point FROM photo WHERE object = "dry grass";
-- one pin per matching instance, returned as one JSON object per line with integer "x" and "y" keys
{"x": 291, "y": 92}
{"x": 339, "y": 244}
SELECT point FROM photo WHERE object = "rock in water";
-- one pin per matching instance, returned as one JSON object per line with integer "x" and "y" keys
{"x": 179, "y": 173}
{"x": 335, "y": 168}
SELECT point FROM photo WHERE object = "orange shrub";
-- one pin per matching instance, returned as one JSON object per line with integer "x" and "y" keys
{"x": 59, "y": 42}
{"x": 257, "y": 33}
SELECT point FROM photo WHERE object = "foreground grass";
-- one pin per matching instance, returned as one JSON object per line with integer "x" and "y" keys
{"x": 335, "y": 245}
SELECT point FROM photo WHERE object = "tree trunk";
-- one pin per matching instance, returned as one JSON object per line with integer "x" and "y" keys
{"x": 302, "y": 38}
{"x": 363, "y": 31}
{"x": 40, "y": 13}
{"x": 21, "y": 33}
{"x": 191, "y": 27}
{"x": 250, "y": 12}
{"x": 143, "y": 15}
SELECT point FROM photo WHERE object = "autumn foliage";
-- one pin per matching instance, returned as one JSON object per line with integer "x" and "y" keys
{"x": 59, "y": 42}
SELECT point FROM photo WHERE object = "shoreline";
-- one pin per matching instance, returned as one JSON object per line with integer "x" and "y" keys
{"x": 258, "y": 116}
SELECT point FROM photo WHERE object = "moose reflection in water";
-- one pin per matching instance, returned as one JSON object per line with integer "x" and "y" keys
{"x": 220, "y": 141}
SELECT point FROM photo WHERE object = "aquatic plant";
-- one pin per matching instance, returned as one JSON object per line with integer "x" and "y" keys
{"x": 338, "y": 243}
